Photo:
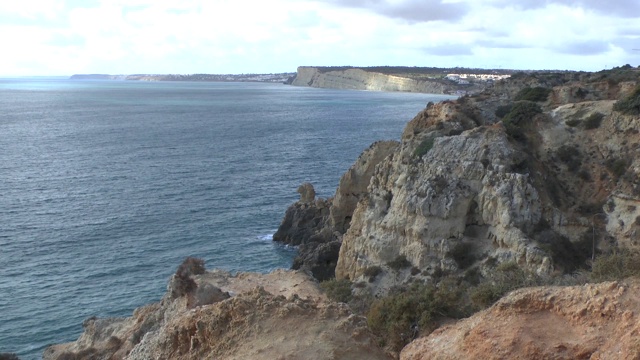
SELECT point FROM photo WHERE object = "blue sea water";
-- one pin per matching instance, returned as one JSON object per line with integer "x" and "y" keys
{"x": 106, "y": 186}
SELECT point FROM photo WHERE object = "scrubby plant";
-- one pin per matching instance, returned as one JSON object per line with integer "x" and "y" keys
{"x": 507, "y": 277}
{"x": 424, "y": 147}
{"x": 9, "y": 356}
{"x": 503, "y": 110}
{"x": 372, "y": 271}
{"x": 573, "y": 122}
{"x": 571, "y": 156}
{"x": 337, "y": 290}
{"x": 593, "y": 121}
{"x": 629, "y": 105}
{"x": 463, "y": 254}
{"x": 617, "y": 166}
{"x": 184, "y": 284}
{"x": 522, "y": 112}
{"x": 400, "y": 262}
{"x": 537, "y": 94}
{"x": 400, "y": 317}
{"x": 617, "y": 265}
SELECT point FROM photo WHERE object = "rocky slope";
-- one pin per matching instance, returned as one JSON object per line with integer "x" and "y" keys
{"x": 281, "y": 315}
{"x": 362, "y": 79}
{"x": 582, "y": 322}
{"x": 464, "y": 191}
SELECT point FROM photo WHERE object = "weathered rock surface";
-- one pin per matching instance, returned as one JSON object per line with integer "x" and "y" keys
{"x": 317, "y": 225}
{"x": 594, "y": 321}
{"x": 539, "y": 198}
{"x": 281, "y": 315}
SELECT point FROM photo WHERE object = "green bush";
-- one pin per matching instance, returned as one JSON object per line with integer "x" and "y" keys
{"x": 573, "y": 122}
{"x": 537, "y": 93}
{"x": 463, "y": 254}
{"x": 400, "y": 262}
{"x": 184, "y": 283}
{"x": 571, "y": 156}
{"x": 618, "y": 265}
{"x": 617, "y": 166}
{"x": 399, "y": 317}
{"x": 506, "y": 277}
{"x": 593, "y": 121}
{"x": 629, "y": 105}
{"x": 424, "y": 147}
{"x": 372, "y": 271}
{"x": 521, "y": 113}
{"x": 503, "y": 110}
{"x": 337, "y": 290}
{"x": 8, "y": 356}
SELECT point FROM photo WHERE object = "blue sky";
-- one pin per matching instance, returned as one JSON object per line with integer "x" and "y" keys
{"x": 63, "y": 37}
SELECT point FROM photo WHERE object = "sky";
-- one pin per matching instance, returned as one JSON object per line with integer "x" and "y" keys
{"x": 64, "y": 37}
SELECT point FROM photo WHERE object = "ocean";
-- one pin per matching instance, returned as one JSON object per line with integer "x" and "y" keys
{"x": 106, "y": 186}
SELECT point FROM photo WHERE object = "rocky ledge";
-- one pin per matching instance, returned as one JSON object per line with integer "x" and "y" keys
{"x": 216, "y": 315}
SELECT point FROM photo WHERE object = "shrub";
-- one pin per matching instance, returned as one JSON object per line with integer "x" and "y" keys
{"x": 9, "y": 356}
{"x": 372, "y": 271}
{"x": 629, "y": 105}
{"x": 618, "y": 265}
{"x": 424, "y": 147}
{"x": 521, "y": 112}
{"x": 503, "y": 110}
{"x": 506, "y": 277}
{"x": 463, "y": 254}
{"x": 337, "y": 290}
{"x": 400, "y": 262}
{"x": 593, "y": 121}
{"x": 537, "y": 93}
{"x": 184, "y": 284}
{"x": 399, "y": 317}
{"x": 570, "y": 155}
{"x": 617, "y": 166}
{"x": 573, "y": 122}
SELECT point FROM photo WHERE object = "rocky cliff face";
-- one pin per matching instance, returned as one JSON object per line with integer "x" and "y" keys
{"x": 465, "y": 191}
{"x": 317, "y": 225}
{"x": 282, "y": 315}
{"x": 582, "y": 322}
{"x": 358, "y": 79}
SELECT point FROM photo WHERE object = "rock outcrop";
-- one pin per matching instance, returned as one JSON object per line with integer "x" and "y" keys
{"x": 281, "y": 315}
{"x": 594, "y": 321}
{"x": 465, "y": 191}
{"x": 317, "y": 225}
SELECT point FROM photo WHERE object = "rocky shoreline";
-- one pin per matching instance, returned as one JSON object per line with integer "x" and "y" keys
{"x": 523, "y": 184}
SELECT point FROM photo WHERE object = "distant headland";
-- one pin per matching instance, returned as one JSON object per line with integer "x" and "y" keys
{"x": 270, "y": 78}
{"x": 452, "y": 81}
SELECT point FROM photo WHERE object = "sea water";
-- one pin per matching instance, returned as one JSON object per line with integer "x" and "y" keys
{"x": 106, "y": 186}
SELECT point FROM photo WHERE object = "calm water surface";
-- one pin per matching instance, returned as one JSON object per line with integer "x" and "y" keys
{"x": 105, "y": 186}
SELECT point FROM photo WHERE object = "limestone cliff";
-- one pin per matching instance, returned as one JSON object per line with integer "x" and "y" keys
{"x": 466, "y": 190}
{"x": 361, "y": 79}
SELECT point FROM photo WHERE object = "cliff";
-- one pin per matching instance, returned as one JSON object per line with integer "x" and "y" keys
{"x": 530, "y": 182}
{"x": 373, "y": 80}
{"x": 282, "y": 315}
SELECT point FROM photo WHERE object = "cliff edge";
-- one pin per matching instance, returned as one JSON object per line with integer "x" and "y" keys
{"x": 382, "y": 79}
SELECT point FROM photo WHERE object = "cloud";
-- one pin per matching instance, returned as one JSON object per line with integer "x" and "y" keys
{"x": 409, "y": 10}
{"x": 621, "y": 8}
{"x": 585, "y": 48}
{"x": 449, "y": 50}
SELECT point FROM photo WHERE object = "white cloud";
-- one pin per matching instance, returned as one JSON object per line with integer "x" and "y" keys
{"x": 220, "y": 36}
